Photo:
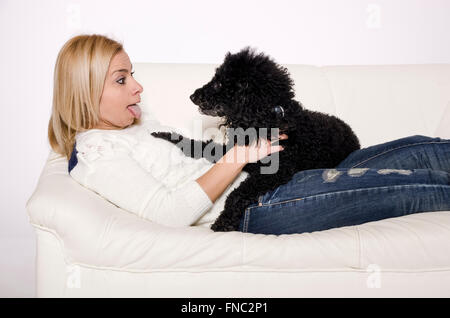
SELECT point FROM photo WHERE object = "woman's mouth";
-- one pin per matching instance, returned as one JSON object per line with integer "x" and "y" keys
{"x": 135, "y": 110}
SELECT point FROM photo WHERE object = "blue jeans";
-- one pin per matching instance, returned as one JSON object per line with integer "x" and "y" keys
{"x": 400, "y": 177}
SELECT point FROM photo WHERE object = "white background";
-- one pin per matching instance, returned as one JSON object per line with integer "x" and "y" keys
{"x": 319, "y": 32}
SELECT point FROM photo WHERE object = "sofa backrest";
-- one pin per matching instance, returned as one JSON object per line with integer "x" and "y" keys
{"x": 380, "y": 102}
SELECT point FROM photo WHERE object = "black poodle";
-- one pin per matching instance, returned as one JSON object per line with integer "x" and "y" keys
{"x": 249, "y": 91}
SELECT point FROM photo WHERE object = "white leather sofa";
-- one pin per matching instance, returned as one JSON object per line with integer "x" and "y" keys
{"x": 88, "y": 247}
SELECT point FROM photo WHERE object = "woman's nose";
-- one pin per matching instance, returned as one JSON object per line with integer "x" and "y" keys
{"x": 138, "y": 89}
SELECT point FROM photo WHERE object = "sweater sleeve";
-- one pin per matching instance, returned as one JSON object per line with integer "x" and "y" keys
{"x": 119, "y": 178}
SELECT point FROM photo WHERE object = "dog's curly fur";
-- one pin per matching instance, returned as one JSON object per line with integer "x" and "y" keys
{"x": 251, "y": 90}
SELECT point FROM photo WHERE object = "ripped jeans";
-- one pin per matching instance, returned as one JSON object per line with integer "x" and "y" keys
{"x": 400, "y": 177}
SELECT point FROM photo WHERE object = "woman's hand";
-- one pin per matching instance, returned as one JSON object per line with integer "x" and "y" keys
{"x": 255, "y": 151}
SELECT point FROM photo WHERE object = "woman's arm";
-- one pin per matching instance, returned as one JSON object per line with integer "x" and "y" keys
{"x": 215, "y": 180}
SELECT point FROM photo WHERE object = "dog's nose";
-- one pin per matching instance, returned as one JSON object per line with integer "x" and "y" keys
{"x": 192, "y": 97}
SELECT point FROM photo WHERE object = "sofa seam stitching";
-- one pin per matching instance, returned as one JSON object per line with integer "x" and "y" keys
{"x": 359, "y": 247}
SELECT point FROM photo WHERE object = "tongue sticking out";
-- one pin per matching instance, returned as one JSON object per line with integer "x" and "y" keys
{"x": 135, "y": 110}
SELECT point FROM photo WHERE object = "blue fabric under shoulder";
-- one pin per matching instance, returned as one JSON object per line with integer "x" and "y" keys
{"x": 73, "y": 158}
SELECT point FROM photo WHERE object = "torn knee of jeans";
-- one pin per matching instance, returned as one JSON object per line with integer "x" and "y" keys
{"x": 357, "y": 172}
{"x": 331, "y": 175}
{"x": 400, "y": 171}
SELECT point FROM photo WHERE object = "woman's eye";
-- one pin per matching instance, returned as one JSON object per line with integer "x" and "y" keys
{"x": 123, "y": 78}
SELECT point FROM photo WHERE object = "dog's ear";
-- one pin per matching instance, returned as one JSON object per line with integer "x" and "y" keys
{"x": 278, "y": 110}
{"x": 242, "y": 86}
{"x": 227, "y": 55}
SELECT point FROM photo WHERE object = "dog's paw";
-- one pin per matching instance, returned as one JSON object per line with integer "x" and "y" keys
{"x": 223, "y": 225}
{"x": 169, "y": 136}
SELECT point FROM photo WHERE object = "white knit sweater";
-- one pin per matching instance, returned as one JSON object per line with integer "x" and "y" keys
{"x": 147, "y": 176}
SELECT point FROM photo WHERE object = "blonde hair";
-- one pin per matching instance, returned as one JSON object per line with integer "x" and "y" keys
{"x": 80, "y": 72}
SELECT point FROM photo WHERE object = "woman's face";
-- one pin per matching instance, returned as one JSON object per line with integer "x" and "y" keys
{"x": 120, "y": 90}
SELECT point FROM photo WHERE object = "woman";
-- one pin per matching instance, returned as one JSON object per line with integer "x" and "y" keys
{"x": 95, "y": 124}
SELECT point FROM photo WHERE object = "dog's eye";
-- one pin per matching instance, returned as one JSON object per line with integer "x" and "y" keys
{"x": 217, "y": 85}
{"x": 278, "y": 110}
